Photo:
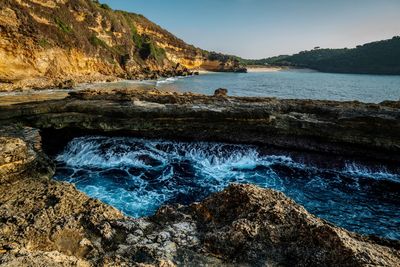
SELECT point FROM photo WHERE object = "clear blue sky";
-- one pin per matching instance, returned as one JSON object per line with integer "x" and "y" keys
{"x": 263, "y": 28}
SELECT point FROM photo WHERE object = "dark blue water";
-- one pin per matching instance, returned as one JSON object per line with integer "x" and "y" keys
{"x": 138, "y": 176}
{"x": 292, "y": 84}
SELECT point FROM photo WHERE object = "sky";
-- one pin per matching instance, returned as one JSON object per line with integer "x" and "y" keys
{"x": 264, "y": 28}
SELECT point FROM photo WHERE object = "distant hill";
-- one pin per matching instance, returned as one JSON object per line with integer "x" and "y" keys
{"x": 382, "y": 57}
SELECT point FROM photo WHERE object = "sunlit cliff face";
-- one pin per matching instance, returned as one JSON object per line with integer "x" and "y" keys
{"x": 77, "y": 38}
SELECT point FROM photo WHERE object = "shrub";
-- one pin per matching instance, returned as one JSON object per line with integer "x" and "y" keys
{"x": 105, "y": 6}
{"x": 95, "y": 41}
{"x": 63, "y": 26}
{"x": 156, "y": 52}
{"x": 149, "y": 49}
{"x": 44, "y": 43}
{"x": 137, "y": 39}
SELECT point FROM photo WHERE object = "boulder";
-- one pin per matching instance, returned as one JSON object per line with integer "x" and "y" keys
{"x": 67, "y": 84}
{"x": 266, "y": 227}
{"x": 221, "y": 92}
{"x": 19, "y": 156}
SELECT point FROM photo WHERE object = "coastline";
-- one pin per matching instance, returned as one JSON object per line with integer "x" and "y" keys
{"x": 69, "y": 226}
{"x": 121, "y": 144}
{"x": 258, "y": 68}
{"x": 264, "y": 69}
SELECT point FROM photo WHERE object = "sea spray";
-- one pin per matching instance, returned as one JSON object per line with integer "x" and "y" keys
{"x": 138, "y": 176}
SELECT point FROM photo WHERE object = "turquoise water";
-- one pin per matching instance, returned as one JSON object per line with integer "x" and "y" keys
{"x": 303, "y": 84}
{"x": 292, "y": 84}
{"x": 137, "y": 176}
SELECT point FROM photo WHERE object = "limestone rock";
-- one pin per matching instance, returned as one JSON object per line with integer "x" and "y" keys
{"x": 350, "y": 128}
{"x": 266, "y": 227}
{"x": 270, "y": 229}
{"x": 45, "y": 222}
{"x": 20, "y": 156}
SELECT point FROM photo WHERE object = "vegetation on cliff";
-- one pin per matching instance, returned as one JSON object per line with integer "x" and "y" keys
{"x": 52, "y": 39}
{"x": 382, "y": 57}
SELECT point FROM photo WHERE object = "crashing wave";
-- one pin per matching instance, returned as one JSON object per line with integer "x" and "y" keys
{"x": 137, "y": 176}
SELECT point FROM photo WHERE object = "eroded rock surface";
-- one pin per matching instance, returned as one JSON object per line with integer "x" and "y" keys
{"x": 49, "y": 223}
{"x": 21, "y": 154}
{"x": 351, "y": 128}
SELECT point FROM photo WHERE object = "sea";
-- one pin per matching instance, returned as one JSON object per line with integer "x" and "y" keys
{"x": 138, "y": 176}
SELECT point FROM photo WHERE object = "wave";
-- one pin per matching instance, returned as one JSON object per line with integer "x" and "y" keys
{"x": 137, "y": 176}
{"x": 363, "y": 171}
{"x": 170, "y": 80}
{"x": 166, "y": 81}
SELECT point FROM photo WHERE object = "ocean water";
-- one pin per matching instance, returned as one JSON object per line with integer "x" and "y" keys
{"x": 137, "y": 176}
{"x": 301, "y": 84}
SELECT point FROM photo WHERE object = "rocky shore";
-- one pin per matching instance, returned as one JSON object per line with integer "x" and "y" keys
{"x": 351, "y": 128}
{"x": 48, "y": 223}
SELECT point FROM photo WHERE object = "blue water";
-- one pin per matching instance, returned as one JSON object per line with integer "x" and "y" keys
{"x": 292, "y": 84}
{"x": 137, "y": 176}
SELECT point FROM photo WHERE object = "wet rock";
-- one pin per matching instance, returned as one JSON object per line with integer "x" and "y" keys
{"x": 51, "y": 223}
{"x": 350, "y": 128}
{"x": 20, "y": 155}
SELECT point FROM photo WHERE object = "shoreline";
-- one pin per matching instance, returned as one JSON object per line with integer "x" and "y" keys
{"x": 271, "y": 114}
{"x": 252, "y": 69}
{"x": 256, "y": 68}
{"x": 67, "y": 222}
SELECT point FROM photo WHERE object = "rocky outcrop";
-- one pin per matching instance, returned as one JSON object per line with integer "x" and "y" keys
{"x": 49, "y": 223}
{"x": 221, "y": 92}
{"x": 21, "y": 155}
{"x": 44, "y": 221}
{"x": 46, "y": 42}
{"x": 352, "y": 128}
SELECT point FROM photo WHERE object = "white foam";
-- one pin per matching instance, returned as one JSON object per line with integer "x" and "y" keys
{"x": 82, "y": 152}
{"x": 138, "y": 176}
{"x": 365, "y": 172}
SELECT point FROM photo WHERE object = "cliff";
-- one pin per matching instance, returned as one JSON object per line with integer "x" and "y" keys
{"x": 45, "y": 42}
